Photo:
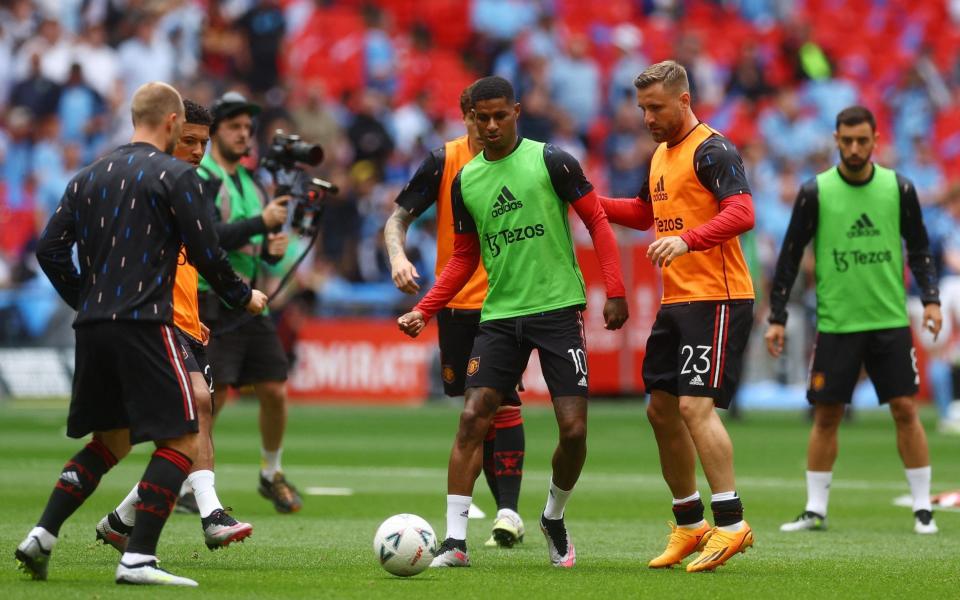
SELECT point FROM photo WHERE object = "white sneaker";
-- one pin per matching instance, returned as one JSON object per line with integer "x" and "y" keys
{"x": 558, "y": 538}
{"x": 807, "y": 521}
{"x": 149, "y": 573}
{"x": 924, "y": 523}
{"x": 507, "y": 528}
{"x": 33, "y": 558}
{"x": 449, "y": 555}
{"x": 114, "y": 532}
{"x": 475, "y": 512}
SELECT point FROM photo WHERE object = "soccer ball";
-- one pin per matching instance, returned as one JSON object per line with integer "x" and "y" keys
{"x": 405, "y": 544}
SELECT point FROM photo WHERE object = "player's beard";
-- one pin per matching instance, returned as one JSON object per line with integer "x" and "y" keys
{"x": 855, "y": 167}
{"x": 228, "y": 153}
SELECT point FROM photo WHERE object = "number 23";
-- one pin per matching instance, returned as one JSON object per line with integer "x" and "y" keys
{"x": 704, "y": 358}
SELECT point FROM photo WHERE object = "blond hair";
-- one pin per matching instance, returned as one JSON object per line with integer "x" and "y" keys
{"x": 152, "y": 102}
{"x": 669, "y": 72}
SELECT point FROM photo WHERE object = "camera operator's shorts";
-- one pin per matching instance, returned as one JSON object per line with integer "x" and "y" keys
{"x": 130, "y": 375}
{"x": 887, "y": 354}
{"x": 458, "y": 328}
{"x": 194, "y": 356}
{"x": 696, "y": 349}
{"x": 503, "y": 346}
{"x": 246, "y": 354}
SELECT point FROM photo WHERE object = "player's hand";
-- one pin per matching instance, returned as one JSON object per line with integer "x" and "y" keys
{"x": 277, "y": 244}
{"x": 258, "y": 302}
{"x": 932, "y": 319}
{"x": 615, "y": 313}
{"x": 774, "y": 338}
{"x": 275, "y": 213}
{"x": 204, "y": 334}
{"x": 404, "y": 275}
{"x": 412, "y": 323}
{"x": 664, "y": 251}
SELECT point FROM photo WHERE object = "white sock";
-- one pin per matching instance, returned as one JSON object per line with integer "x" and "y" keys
{"x": 818, "y": 491}
{"x": 202, "y": 483}
{"x": 556, "y": 502}
{"x": 125, "y": 510}
{"x": 919, "y": 480}
{"x": 458, "y": 511}
{"x": 721, "y": 497}
{"x": 185, "y": 488}
{"x": 691, "y": 498}
{"x": 47, "y": 539}
{"x": 270, "y": 463}
{"x": 132, "y": 559}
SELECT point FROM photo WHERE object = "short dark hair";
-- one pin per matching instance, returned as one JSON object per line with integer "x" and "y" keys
{"x": 196, "y": 113}
{"x": 466, "y": 102}
{"x": 490, "y": 88}
{"x": 854, "y": 115}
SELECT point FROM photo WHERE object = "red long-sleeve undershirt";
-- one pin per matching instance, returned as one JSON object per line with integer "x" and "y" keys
{"x": 466, "y": 256}
{"x": 735, "y": 217}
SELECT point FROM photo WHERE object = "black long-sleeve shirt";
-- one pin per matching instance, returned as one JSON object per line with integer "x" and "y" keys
{"x": 803, "y": 226}
{"x": 128, "y": 213}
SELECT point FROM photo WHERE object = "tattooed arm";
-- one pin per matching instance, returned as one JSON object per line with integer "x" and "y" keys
{"x": 395, "y": 236}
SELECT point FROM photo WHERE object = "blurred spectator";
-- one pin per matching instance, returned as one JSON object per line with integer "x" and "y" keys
{"x": 36, "y": 92}
{"x": 630, "y": 62}
{"x": 922, "y": 169}
{"x": 80, "y": 111}
{"x": 748, "y": 79}
{"x": 367, "y": 134}
{"x": 706, "y": 84}
{"x": 788, "y": 133}
{"x": 537, "y": 116}
{"x": 264, "y": 26}
{"x": 147, "y": 47}
{"x": 628, "y": 152}
{"x": 378, "y": 52}
{"x": 100, "y": 64}
{"x": 575, "y": 84}
{"x": 54, "y": 49}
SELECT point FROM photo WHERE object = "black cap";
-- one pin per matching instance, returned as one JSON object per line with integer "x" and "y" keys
{"x": 230, "y": 105}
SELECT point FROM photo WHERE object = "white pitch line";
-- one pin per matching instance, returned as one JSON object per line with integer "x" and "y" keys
{"x": 329, "y": 491}
{"x": 615, "y": 479}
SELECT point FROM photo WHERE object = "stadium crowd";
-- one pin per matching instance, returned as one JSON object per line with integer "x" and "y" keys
{"x": 376, "y": 84}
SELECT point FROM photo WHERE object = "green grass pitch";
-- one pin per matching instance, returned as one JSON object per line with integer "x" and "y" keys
{"x": 395, "y": 461}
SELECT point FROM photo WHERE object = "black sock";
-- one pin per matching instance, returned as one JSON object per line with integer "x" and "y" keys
{"x": 79, "y": 478}
{"x": 158, "y": 491}
{"x": 508, "y": 457}
{"x": 489, "y": 467}
{"x": 688, "y": 513}
{"x": 727, "y": 512}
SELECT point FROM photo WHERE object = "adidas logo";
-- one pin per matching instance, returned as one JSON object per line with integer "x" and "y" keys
{"x": 696, "y": 380}
{"x": 863, "y": 227}
{"x": 70, "y": 477}
{"x": 583, "y": 381}
{"x": 505, "y": 202}
{"x": 659, "y": 191}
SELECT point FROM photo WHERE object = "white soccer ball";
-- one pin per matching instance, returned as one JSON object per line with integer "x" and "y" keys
{"x": 405, "y": 544}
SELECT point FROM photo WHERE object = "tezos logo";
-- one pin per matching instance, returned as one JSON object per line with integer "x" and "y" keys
{"x": 659, "y": 192}
{"x": 511, "y": 236}
{"x": 842, "y": 260}
{"x": 665, "y": 225}
{"x": 505, "y": 202}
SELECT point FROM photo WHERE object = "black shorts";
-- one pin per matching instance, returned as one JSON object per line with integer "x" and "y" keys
{"x": 247, "y": 354}
{"x": 696, "y": 349}
{"x": 887, "y": 354}
{"x": 131, "y": 375}
{"x": 502, "y": 348}
{"x": 194, "y": 356}
{"x": 458, "y": 328}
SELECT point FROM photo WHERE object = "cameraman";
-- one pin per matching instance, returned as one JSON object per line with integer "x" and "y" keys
{"x": 246, "y": 351}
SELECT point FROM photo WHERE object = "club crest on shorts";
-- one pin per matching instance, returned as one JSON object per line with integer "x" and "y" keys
{"x": 817, "y": 381}
{"x": 473, "y": 366}
{"x": 448, "y": 374}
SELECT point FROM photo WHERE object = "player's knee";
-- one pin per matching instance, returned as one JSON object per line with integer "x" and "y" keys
{"x": 695, "y": 410}
{"x": 904, "y": 411}
{"x": 573, "y": 432}
{"x": 659, "y": 415}
{"x": 828, "y": 417}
